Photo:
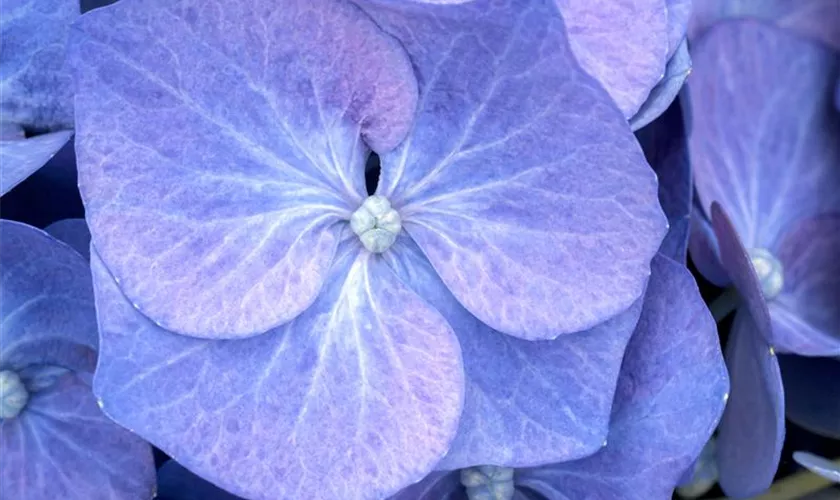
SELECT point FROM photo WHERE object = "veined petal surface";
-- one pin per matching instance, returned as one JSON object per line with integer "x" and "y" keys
{"x": 46, "y": 302}
{"x": 356, "y": 398}
{"x": 666, "y": 91}
{"x": 520, "y": 181}
{"x": 227, "y": 228}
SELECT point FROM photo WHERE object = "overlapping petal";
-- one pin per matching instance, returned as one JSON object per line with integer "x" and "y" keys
{"x": 764, "y": 141}
{"x": 805, "y": 315}
{"x": 752, "y": 429}
{"x": 622, "y": 43}
{"x": 527, "y": 402}
{"x": 666, "y": 149}
{"x": 63, "y": 446}
{"x": 35, "y": 88}
{"x": 177, "y": 483}
{"x": 679, "y": 16}
{"x": 46, "y": 304}
{"x": 703, "y": 248}
{"x": 518, "y": 168}
{"x": 818, "y": 465}
{"x": 666, "y": 91}
{"x": 355, "y": 398}
{"x": 73, "y": 232}
{"x": 22, "y": 157}
{"x": 817, "y": 19}
{"x": 812, "y": 393}
{"x": 227, "y": 228}
{"x": 670, "y": 395}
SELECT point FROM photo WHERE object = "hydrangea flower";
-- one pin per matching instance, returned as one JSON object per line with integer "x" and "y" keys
{"x": 54, "y": 440}
{"x": 765, "y": 158}
{"x": 670, "y": 396}
{"x": 36, "y": 98}
{"x": 255, "y": 302}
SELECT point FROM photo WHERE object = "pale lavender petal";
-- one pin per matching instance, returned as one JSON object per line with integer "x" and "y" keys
{"x": 63, "y": 447}
{"x": 806, "y": 314}
{"x": 817, "y": 19}
{"x": 227, "y": 228}
{"x": 752, "y": 429}
{"x": 812, "y": 393}
{"x": 175, "y": 482}
{"x": 73, "y": 232}
{"x": 520, "y": 182}
{"x": 356, "y": 398}
{"x": 21, "y": 158}
{"x": 665, "y": 92}
{"x": 35, "y": 89}
{"x": 439, "y": 485}
{"x": 664, "y": 144}
{"x": 764, "y": 141}
{"x": 679, "y": 14}
{"x": 818, "y": 465}
{"x": 622, "y": 43}
{"x": 47, "y": 306}
{"x": 738, "y": 265}
{"x": 670, "y": 396}
{"x": 527, "y": 402}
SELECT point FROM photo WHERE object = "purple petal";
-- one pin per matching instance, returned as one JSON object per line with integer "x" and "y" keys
{"x": 818, "y": 465}
{"x": 812, "y": 394}
{"x": 73, "y": 232}
{"x": 521, "y": 182}
{"x": 36, "y": 89}
{"x": 679, "y": 14}
{"x": 438, "y": 485}
{"x": 47, "y": 308}
{"x": 227, "y": 228}
{"x": 622, "y": 43}
{"x": 703, "y": 248}
{"x": 805, "y": 315}
{"x": 816, "y": 19}
{"x": 21, "y": 158}
{"x": 527, "y": 402}
{"x": 177, "y": 483}
{"x": 764, "y": 141}
{"x": 752, "y": 429}
{"x": 63, "y": 446}
{"x": 369, "y": 369}
{"x": 679, "y": 66}
{"x": 664, "y": 143}
{"x": 736, "y": 261}
{"x": 670, "y": 396}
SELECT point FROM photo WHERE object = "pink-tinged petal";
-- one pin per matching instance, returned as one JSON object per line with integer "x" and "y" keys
{"x": 812, "y": 393}
{"x": 356, "y": 398}
{"x": 527, "y": 402}
{"x": 21, "y": 158}
{"x": 47, "y": 306}
{"x": 806, "y": 314}
{"x": 752, "y": 429}
{"x": 521, "y": 181}
{"x": 73, "y": 232}
{"x": 764, "y": 141}
{"x": 816, "y": 19}
{"x": 739, "y": 267}
{"x": 227, "y": 228}
{"x": 670, "y": 396}
{"x": 63, "y": 447}
{"x": 622, "y": 43}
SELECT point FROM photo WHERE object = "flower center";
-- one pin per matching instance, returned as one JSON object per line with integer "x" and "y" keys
{"x": 488, "y": 482}
{"x": 769, "y": 271}
{"x": 376, "y": 223}
{"x": 13, "y": 395}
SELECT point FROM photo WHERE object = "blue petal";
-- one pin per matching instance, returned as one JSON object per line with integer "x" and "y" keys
{"x": 812, "y": 393}
{"x": 227, "y": 228}
{"x": 177, "y": 483}
{"x": 35, "y": 88}
{"x": 752, "y": 429}
{"x": 73, "y": 232}
{"x": 679, "y": 66}
{"x": 670, "y": 396}
{"x": 526, "y": 402}
{"x": 63, "y": 447}
{"x": 703, "y": 248}
{"x": 357, "y": 397}
{"x": 21, "y": 158}
{"x": 47, "y": 309}
{"x": 518, "y": 168}
{"x": 818, "y": 465}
